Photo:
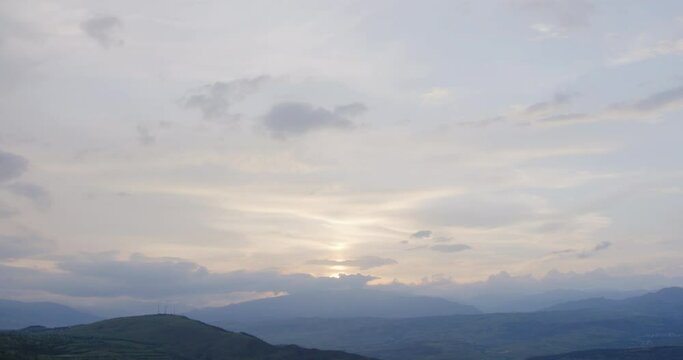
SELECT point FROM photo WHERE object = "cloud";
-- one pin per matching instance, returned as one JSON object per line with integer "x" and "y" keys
{"x": 503, "y": 284}
{"x": 436, "y": 96}
{"x": 550, "y": 112}
{"x": 215, "y": 100}
{"x": 450, "y": 248}
{"x": 144, "y": 136}
{"x": 22, "y": 246}
{"x": 363, "y": 263}
{"x": 422, "y": 234}
{"x": 548, "y": 31}
{"x": 139, "y": 276}
{"x": 662, "y": 48}
{"x": 559, "y": 100}
{"x": 564, "y": 14}
{"x": 11, "y": 166}
{"x": 599, "y": 247}
{"x": 103, "y": 30}
{"x": 350, "y": 110}
{"x": 651, "y": 105}
{"x": 660, "y": 101}
{"x": 33, "y": 192}
{"x": 6, "y": 211}
{"x": 295, "y": 118}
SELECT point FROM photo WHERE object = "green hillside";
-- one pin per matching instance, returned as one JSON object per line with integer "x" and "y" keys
{"x": 150, "y": 337}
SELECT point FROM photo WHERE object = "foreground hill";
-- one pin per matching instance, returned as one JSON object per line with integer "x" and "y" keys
{"x": 333, "y": 304}
{"x": 655, "y": 353}
{"x": 150, "y": 337}
{"x": 17, "y": 315}
{"x": 665, "y": 302}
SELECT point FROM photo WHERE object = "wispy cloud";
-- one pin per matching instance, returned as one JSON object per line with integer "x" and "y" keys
{"x": 297, "y": 118}
{"x": 11, "y": 166}
{"x": 215, "y": 100}
{"x": 363, "y": 263}
{"x": 642, "y": 53}
{"x": 103, "y": 29}
{"x": 450, "y": 248}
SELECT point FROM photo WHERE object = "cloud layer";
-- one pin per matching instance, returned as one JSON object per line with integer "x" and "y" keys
{"x": 296, "y": 118}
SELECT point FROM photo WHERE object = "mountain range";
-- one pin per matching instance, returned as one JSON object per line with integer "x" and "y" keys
{"x": 375, "y": 324}
{"x": 16, "y": 315}
{"x": 654, "y": 353}
{"x": 665, "y": 302}
{"x": 333, "y": 304}
{"x": 491, "y": 336}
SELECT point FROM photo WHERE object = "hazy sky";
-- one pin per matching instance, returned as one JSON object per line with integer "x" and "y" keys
{"x": 232, "y": 149}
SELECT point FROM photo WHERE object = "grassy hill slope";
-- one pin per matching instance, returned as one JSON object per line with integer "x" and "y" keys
{"x": 150, "y": 337}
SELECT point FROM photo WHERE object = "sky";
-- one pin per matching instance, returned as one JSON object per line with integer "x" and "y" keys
{"x": 218, "y": 151}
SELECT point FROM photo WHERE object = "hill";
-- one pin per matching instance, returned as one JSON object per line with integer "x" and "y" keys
{"x": 151, "y": 337}
{"x": 17, "y": 315}
{"x": 481, "y": 337}
{"x": 333, "y": 304}
{"x": 655, "y": 353}
{"x": 665, "y": 302}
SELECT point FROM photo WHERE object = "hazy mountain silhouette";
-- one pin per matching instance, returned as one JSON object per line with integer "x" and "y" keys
{"x": 334, "y": 304}
{"x": 665, "y": 302}
{"x": 151, "y": 337}
{"x": 17, "y": 315}
{"x": 489, "y": 336}
{"x": 655, "y": 353}
{"x": 505, "y": 302}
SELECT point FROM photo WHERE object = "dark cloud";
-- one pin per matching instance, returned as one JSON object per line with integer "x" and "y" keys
{"x": 363, "y": 263}
{"x": 350, "y": 110}
{"x": 450, "y": 248}
{"x": 144, "y": 135}
{"x": 599, "y": 247}
{"x": 295, "y": 118}
{"x": 22, "y": 246}
{"x": 214, "y": 100}
{"x": 650, "y": 105}
{"x": 559, "y": 99}
{"x": 422, "y": 234}
{"x": 582, "y": 254}
{"x": 103, "y": 30}
{"x": 104, "y": 275}
{"x": 655, "y": 102}
{"x": 11, "y": 166}
{"x": 39, "y": 196}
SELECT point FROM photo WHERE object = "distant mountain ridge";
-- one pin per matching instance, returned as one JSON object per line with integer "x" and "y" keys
{"x": 654, "y": 353}
{"x": 647, "y": 320}
{"x": 334, "y": 304}
{"x": 17, "y": 315}
{"x": 151, "y": 337}
{"x": 667, "y": 301}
